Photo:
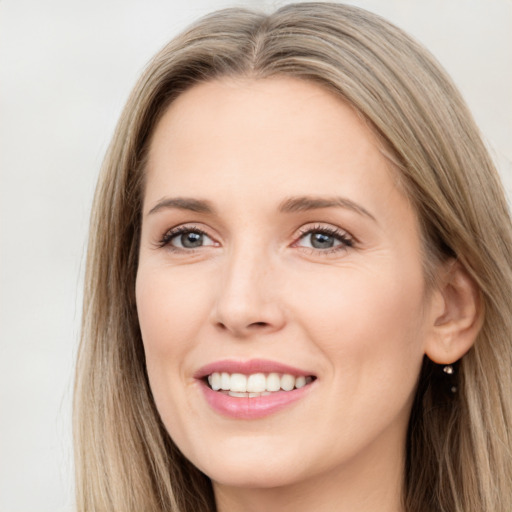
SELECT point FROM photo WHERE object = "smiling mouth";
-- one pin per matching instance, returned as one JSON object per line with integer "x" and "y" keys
{"x": 255, "y": 384}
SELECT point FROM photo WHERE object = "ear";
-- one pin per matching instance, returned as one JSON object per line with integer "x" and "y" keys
{"x": 457, "y": 315}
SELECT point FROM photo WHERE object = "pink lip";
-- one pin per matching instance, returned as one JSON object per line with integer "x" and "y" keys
{"x": 256, "y": 407}
{"x": 245, "y": 408}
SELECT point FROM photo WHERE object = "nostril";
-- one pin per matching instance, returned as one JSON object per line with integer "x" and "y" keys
{"x": 250, "y": 327}
{"x": 258, "y": 324}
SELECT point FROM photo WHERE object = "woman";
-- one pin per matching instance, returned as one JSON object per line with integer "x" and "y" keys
{"x": 298, "y": 284}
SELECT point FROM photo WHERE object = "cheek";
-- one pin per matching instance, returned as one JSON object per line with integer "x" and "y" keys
{"x": 170, "y": 314}
{"x": 170, "y": 307}
{"x": 369, "y": 324}
{"x": 371, "y": 332}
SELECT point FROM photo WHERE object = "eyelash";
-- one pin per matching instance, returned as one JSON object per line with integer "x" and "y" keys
{"x": 346, "y": 241}
{"x": 180, "y": 230}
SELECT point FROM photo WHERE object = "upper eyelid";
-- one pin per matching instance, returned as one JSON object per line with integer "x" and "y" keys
{"x": 187, "y": 226}
{"x": 306, "y": 228}
{"x": 321, "y": 227}
{"x": 195, "y": 229}
{"x": 329, "y": 228}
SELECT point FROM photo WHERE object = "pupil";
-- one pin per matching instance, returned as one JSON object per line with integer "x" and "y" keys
{"x": 322, "y": 241}
{"x": 192, "y": 240}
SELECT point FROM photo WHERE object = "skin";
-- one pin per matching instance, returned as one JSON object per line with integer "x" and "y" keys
{"x": 356, "y": 316}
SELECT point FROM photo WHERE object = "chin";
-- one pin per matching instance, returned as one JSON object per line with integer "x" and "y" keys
{"x": 248, "y": 477}
{"x": 251, "y": 462}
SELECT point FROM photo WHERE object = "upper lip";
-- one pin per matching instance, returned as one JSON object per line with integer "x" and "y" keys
{"x": 249, "y": 367}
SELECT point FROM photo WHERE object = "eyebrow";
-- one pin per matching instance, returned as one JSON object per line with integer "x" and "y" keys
{"x": 183, "y": 203}
{"x": 305, "y": 203}
{"x": 290, "y": 205}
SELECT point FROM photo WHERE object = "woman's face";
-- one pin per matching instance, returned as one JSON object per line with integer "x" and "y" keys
{"x": 278, "y": 252}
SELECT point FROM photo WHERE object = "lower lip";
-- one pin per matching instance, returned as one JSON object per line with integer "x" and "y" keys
{"x": 246, "y": 408}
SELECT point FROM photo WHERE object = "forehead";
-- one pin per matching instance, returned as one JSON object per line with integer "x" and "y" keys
{"x": 255, "y": 109}
{"x": 246, "y": 134}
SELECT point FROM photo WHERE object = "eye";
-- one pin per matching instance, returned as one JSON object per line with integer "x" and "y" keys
{"x": 325, "y": 239}
{"x": 186, "y": 238}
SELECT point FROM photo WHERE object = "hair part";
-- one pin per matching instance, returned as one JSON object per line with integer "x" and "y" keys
{"x": 459, "y": 455}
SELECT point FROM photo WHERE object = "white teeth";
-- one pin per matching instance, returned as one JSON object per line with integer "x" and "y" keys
{"x": 215, "y": 381}
{"x": 273, "y": 382}
{"x": 238, "y": 383}
{"x": 225, "y": 381}
{"x": 238, "y": 395}
{"x": 287, "y": 382}
{"x": 249, "y": 395}
{"x": 256, "y": 384}
{"x": 300, "y": 382}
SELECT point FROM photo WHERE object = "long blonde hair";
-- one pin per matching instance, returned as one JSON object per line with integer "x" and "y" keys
{"x": 459, "y": 450}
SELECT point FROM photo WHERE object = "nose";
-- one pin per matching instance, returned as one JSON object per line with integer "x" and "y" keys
{"x": 247, "y": 299}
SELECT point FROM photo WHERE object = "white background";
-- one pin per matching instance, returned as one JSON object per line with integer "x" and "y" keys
{"x": 67, "y": 67}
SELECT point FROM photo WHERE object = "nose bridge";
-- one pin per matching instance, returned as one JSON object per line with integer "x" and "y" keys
{"x": 246, "y": 299}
